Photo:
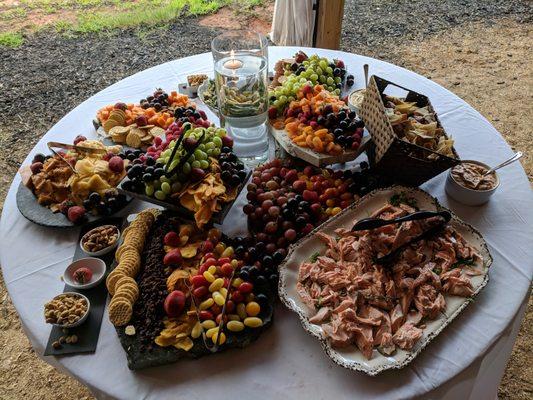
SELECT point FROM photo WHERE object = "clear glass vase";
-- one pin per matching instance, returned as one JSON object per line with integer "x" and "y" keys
{"x": 241, "y": 79}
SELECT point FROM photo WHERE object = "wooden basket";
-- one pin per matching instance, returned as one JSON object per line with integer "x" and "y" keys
{"x": 388, "y": 153}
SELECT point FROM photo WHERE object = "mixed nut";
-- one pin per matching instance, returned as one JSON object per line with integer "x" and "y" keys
{"x": 100, "y": 238}
{"x": 65, "y": 309}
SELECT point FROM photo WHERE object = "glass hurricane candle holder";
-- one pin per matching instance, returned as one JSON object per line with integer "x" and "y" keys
{"x": 241, "y": 80}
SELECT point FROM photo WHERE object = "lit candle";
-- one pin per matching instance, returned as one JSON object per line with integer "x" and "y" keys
{"x": 233, "y": 63}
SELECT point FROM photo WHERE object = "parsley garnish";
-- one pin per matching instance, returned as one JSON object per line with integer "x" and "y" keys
{"x": 314, "y": 256}
{"x": 401, "y": 198}
{"x": 463, "y": 261}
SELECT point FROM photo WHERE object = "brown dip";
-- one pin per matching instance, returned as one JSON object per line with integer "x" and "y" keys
{"x": 470, "y": 176}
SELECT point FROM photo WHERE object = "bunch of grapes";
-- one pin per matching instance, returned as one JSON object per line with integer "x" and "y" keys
{"x": 304, "y": 71}
{"x": 286, "y": 202}
{"x": 158, "y": 100}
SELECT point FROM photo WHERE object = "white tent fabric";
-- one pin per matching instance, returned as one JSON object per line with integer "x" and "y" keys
{"x": 466, "y": 361}
{"x": 293, "y": 23}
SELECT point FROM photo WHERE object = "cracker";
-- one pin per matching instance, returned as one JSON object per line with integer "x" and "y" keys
{"x": 120, "y": 312}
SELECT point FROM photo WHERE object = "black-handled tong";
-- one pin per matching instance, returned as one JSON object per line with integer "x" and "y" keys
{"x": 374, "y": 223}
{"x": 185, "y": 157}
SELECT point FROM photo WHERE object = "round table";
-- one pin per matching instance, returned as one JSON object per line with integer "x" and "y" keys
{"x": 466, "y": 360}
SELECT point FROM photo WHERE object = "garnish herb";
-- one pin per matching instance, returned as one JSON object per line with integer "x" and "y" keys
{"x": 314, "y": 256}
{"x": 463, "y": 261}
{"x": 402, "y": 197}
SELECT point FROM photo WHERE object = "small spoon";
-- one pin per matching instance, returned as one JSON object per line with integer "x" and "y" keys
{"x": 511, "y": 160}
{"x": 365, "y": 69}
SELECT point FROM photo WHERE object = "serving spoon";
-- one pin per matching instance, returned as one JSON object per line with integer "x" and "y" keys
{"x": 510, "y": 160}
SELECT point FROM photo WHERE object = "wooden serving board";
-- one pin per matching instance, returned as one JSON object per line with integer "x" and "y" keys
{"x": 313, "y": 157}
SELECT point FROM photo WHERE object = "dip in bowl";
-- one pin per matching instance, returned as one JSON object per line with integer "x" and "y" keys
{"x": 466, "y": 183}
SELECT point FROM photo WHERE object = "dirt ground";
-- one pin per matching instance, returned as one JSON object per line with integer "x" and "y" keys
{"x": 487, "y": 64}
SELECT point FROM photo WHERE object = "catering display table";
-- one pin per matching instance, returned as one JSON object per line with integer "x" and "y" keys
{"x": 466, "y": 361}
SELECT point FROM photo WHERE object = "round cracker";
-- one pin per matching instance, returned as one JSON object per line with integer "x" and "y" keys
{"x": 120, "y": 312}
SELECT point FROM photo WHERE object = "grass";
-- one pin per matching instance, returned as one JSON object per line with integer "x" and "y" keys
{"x": 11, "y": 39}
{"x": 73, "y": 17}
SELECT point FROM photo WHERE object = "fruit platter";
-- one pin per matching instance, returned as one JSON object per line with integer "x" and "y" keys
{"x": 372, "y": 316}
{"x": 181, "y": 292}
{"x": 308, "y": 117}
{"x": 74, "y": 185}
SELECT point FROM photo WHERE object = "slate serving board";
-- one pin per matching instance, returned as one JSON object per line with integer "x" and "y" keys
{"x": 40, "y": 215}
{"x": 89, "y": 331}
{"x": 184, "y": 213}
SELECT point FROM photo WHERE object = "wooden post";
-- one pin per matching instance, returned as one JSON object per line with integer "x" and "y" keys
{"x": 328, "y": 25}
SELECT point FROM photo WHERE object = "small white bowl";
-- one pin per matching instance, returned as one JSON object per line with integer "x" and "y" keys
{"x": 97, "y": 266}
{"x": 84, "y": 316}
{"x": 104, "y": 250}
{"x": 469, "y": 197}
{"x": 355, "y": 106}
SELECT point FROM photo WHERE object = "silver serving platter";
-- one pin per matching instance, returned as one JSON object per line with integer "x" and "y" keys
{"x": 351, "y": 357}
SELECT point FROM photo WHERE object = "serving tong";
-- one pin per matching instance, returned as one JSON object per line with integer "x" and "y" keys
{"x": 212, "y": 348}
{"x": 374, "y": 223}
{"x": 77, "y": 148}
{"x": 185, "y": 157}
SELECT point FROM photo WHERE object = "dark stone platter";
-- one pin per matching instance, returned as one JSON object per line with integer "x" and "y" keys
{"x": 138, "y": 359}
{"x": 41, "y": 215}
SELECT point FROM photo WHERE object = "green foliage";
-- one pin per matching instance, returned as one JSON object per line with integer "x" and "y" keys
{"x": 11, "y": 39}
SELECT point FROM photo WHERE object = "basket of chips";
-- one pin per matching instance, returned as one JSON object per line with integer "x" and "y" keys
{"x": 409, "y": 142}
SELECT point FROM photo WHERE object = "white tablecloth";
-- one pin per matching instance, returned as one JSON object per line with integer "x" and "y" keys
{"x": 465, "y": 361}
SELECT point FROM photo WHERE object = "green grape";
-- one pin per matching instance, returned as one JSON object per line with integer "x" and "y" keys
{"x": 176, "y": 187}
{"x": 209, "y": 145}
{"x": 173, "y": 164}
{"x": 323, "y": 64}
{"x": 149, "y": 190}
{"x": 282, "y": 99}
{"x": 305, "y": 63}
{"x": 221, "y": 132}
{"x": 165, "y": 187}
{"x": 216, "y": 152}
{"x": 276, "y": 103}
{"x": 157, "y": 185}
{"x": 338, "y": 79}
{"x": 291, "y": 98}
{"x": 172, "y": 144}
{"x": 331, "y": 88}
{"x": 330, "y": 80}
{"x": 319, "y": 70}
{"x": 200, "y": 155}
{"x": 329, "y": 71}
{"x": 196, "y": 163}
{"x": 186, "y": 168}
{"x": 314, "y": 77}
{"x": 191, "y": 158}
{"x": 337, "y": 92}
{"x": 160, "y": 195}
{"x": 322, "y": 79}
{"x": 166, "y": 153}
{"x": 287, "y": 73}
{"x": 217, "y": 141}
{"x": 204, "y": 164}
{"x": 202, "y": 145}
{"x": 209, "y": 153}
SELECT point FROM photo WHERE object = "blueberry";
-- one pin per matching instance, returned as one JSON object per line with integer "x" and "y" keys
{"x": 351, "y": 114}
{"x": 267, "y": 261}
{"x": 149, "y": 170}
{"x": 158, "y": 173}
{"x": 244, "y": 275}
{"x": 341, "y": 115}
{"x": 148, "y": 177}
{"x": 273, "y": 279}
{"x": 225, "y": 149}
